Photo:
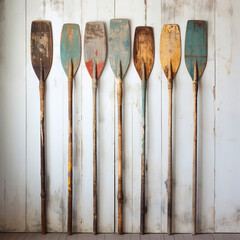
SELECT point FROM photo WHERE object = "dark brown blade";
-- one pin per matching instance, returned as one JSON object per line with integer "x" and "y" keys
{"x": 143, "y": 50}
{"x": 41, "y": 47}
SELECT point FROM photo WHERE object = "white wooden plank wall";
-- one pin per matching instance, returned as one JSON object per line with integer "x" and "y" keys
{"x": 218, "y": 118}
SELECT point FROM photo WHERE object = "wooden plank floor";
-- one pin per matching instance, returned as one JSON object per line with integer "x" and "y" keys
{"x": 64, "y": 236}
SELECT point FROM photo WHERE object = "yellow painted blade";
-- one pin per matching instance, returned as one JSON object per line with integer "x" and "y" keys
{"x": 170, "y": 49}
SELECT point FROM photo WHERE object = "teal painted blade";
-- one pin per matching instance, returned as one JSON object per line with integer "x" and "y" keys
{"x": 119, "y": 45}
{"x": 196, "y": 46}
{"x": 70, "y": 47}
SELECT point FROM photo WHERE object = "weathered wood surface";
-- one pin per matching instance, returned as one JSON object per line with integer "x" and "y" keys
{"x": 143, "y": 50}
{"x": 95, "y": 49}
{"x": 170, "y": 56}
{"x": 41, "y": 56}
{"x": 196, "y": 60}
{"x": 119, "y": 57}
{"x": 143, "y": 56}
{"x": 70, "y": 56}
{"x": 20, "y": 201}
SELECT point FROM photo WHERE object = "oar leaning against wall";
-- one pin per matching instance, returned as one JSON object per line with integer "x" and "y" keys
{"x": 95, "y": 51}
{"x": 196, "y": 60}
{"x": 119, "y": 57}
{"x": 170, "y": 56}
{"x": 70, "y": 57}
{"x": 143, "y": 57}
{"x": 41, "y": 56}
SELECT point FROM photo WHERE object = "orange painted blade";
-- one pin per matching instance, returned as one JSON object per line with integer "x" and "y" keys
{"x": 95, "y": 47}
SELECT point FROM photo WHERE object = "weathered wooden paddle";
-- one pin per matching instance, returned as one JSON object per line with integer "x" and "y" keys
{"x": 196, "y": 60}
{"x": 119, "y": 56}
{"x": 70, "y": 56}
{"x": 170, "y": 56}
{"x": 95, "y": 51}
{"x": 143, "y": 56}
{"x": 41, "y": 56}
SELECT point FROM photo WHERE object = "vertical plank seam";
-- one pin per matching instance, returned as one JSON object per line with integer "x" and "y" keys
{"x": 145, "y": 5}
{"x": 161, "y": 131}
{"x": 63, "y": 152}
{"x": 214, "y": 136}
{"x": 81, "y": 144}
{"x": 25, "y": 74}
{"x": 132, "y": 159}
{"x": 114, "y": 142}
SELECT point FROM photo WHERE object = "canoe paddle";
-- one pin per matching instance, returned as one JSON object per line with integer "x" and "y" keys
{"x": 143, "y": 57}
{"x": 170, "y": 56}
{"x": 41, "y": 56}
{"x": 95, "y": 51}
{"x": 196, "y": 60}
{"x": 119, "y": 56}
{"x": 70, "y": 56}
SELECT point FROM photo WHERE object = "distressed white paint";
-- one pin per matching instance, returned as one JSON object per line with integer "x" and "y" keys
{"x": 218, "y": 118}
{"x": 227, "y": 117}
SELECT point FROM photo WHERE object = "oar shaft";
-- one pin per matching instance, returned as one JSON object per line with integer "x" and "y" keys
{"x": 194, "y": 193}
{"x": 142, "y": 217}
{"x": 169, "y": 185}
{"x": 42, "y": 130}
{"x": 120, "y": 190}
{"x": 70, "y": 87}
{"x": 94, "y": 90}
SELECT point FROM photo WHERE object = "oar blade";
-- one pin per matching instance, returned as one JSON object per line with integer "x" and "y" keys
{"x": 119, "y": 45}
{"x": 70, "y": 47}
{"x": 170, "y": 48}
{"x": 41, "y": 47}
{"x": 143, "y": 50}
{"x": 196, "y": 46}
{"x": 95, "y": 47}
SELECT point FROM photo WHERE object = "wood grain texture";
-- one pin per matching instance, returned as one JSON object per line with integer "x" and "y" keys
{"x": 217, "y": 142}
{"x": 41, "y": 55}
{"x": 119, "y": 51}
{"x": 143, "y": 56}
{"x": 95, "y": 56}
{"x": 196, "y": 60}
{"x": 70, "y": 57}
{"x": 170, "y": 56}
{"x": 95, "y": 48}
{"x": 143, "y": 50}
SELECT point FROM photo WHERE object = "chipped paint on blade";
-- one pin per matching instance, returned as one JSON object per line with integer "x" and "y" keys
{"x": 119, "y": 45}
{"x": 70, "y": 47}
{"x": 95, "y": 47}
{"x": 196, "y": 46}
{"x": 143, "y": 50}
{"x": 41, "y": 47}
{"x": 170, "y": 48}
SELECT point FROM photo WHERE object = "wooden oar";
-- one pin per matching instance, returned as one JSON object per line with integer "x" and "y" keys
{"x": 170, "y": 56}
{"x": 143, "y": 56}
{"x": 41, "y": 56}
{"x": 119, "y": 56}
{"x": 70, "y": 57}
{"x": 95, "y": 50}
{"x": 196, "y": 60}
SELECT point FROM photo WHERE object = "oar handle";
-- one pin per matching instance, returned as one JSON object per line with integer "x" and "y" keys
{"x": 120, "y": 190}
{"x": 194, "y": 193}
{"x": 169, "y": 185}
{"x": 142, "y": 217}
{"x": 94, "y": 91}
{"x": 70, "y": 87}
{"x": 42, "y": 130}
